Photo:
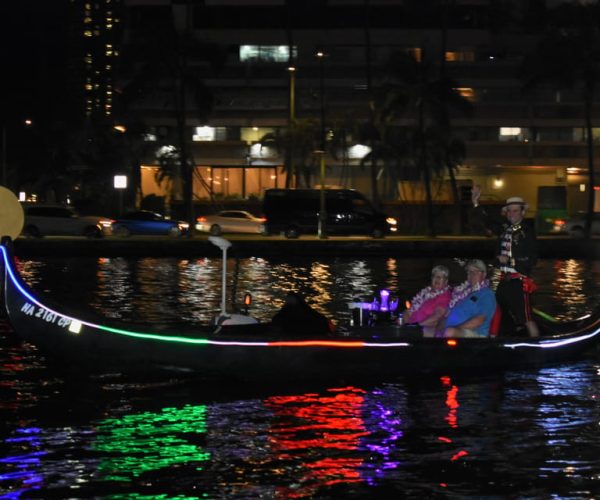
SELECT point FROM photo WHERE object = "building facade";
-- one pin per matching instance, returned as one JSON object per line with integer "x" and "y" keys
{"x": 318, "y": 67}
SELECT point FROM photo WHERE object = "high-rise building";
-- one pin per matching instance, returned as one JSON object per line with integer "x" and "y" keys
{"x": 96, "y": 36}
{"x": 260, "y": 60}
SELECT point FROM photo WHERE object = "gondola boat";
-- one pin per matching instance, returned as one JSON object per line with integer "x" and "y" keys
{"x": 254, "y": 351}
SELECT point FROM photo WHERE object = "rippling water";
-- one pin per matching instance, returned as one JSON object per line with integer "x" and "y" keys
{"x": 172, "y": 291}
{"x": 522, "y": 434}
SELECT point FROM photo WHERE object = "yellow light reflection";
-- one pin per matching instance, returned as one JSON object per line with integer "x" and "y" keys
{"x": 568, "y": 285}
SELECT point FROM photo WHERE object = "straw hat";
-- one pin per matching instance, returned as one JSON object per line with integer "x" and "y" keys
{"x": 516, "y": 200}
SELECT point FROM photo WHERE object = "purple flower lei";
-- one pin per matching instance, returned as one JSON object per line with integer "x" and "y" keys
{"x": 424, "y": 295}
{"x": 465, "y": 289}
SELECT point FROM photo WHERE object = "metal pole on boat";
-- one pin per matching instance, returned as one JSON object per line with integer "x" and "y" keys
{"x": 223, "y": 244}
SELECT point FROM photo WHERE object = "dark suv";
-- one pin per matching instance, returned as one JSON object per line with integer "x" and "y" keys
{"x": 296, "y": 211}
{"x": 58, "y": 220}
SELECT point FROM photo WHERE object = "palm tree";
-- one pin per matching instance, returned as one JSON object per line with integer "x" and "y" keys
{"x": 568, "y": 56}
{"x": 416, "y": 91}
{"x": 371, "y": 134}
{"x": 299, "y": 145}
{"x": 172, "y": 66}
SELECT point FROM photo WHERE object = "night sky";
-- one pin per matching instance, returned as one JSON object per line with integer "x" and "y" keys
{"x": 34, "y": 41}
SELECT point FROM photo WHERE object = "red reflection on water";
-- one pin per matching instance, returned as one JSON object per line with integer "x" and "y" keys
{"x": 315, "y": 422}
{"x": 452, "y": 403}
{"x": 460, "y": 454}
{"x": 452, "y": 416}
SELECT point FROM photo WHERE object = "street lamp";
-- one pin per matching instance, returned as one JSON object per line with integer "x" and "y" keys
{"x": 291, "y": 170}
{"x": 322, "y": 226}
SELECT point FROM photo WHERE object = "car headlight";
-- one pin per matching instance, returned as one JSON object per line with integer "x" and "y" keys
{"x": 183, "y": 225}
{"x": 391, "y": 221}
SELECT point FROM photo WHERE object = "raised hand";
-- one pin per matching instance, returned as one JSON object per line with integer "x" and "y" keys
{"x": 475, "y": 194}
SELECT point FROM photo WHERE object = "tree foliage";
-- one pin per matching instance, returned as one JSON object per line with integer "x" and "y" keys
{"x": 568, "y": 57}
{"x": 419, "y": 100}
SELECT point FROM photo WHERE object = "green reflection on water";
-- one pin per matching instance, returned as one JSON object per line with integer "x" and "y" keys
{"x": 149, "y": 441}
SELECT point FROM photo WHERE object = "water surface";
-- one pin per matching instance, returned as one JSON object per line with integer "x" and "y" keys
{"x": 520, "y": 434}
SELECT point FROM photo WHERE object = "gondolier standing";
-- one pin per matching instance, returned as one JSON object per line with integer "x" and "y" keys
{"x": 516, "y": 256}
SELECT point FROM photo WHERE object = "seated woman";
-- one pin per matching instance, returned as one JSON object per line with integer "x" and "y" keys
{"x": 430, "y": 305}
{"x": 297, "y": 318}
{"x": 473, "y": 304}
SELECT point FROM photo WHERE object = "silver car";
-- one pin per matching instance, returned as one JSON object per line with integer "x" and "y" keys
{"x": 230, "y": 221}
{"x": 59, "y": 220}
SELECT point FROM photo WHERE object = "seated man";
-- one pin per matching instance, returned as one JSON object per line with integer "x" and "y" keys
{"x": 296, "y": 317}
{"x": 473, "y": 304}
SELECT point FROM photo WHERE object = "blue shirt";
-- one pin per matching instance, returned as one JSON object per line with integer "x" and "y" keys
{"x": 481, "y": 302}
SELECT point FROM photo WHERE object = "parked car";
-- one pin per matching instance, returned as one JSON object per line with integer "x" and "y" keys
{"x": 60, "y": 220}
{"x": 145, "y": 222}
{"x": 575, "y": 226}
{"x": 230, "y": 221}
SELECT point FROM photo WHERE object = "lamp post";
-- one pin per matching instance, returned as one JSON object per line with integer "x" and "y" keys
{"x": 291, "y": 169}
{"x": 322, "y": 226}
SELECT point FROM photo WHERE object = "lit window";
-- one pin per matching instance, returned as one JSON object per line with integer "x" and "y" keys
{"x": 513, "y": 134}
{"x": 204, "y": 134}
{"x": 87, "y": 33}
{"x": 268, "y": 53}
{"x": 460, "y": 56}
{"x": 254, "y": 134}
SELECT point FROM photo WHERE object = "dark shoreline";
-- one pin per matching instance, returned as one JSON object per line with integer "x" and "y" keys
{"x": 259, "y": 246}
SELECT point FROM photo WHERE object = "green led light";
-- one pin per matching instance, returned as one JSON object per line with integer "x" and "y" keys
{"x": 153, "y": 336}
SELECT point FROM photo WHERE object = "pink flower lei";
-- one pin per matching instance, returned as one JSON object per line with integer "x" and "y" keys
{"x": 424, "y": 295}
{"x": 465, "y": 289}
